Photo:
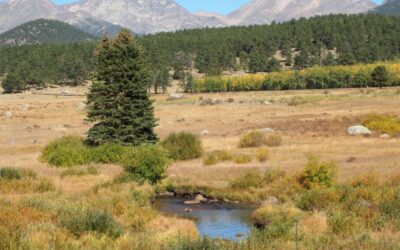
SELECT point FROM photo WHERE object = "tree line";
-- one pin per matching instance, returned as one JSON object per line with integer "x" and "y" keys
{"x": 318, "y": 41}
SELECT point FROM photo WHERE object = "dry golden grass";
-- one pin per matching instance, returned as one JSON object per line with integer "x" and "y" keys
{"x": 318, "y": 127}
{"x": 317, "y": 223}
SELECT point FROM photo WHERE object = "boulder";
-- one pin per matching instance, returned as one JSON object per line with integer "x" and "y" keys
{"x": 358, "y": 130}
{"x": 205, "y": 132}
{"x": 266, "y": 130}
{"x": 192, "y": 202}
{"x": 175, "y": 96}
{"x": 200, "y": 198}
{"x": 272, "y": 200}
{"x": 25, "y": 107}
{"x": 267, "y": 103}
{"x": 385, "y": 136}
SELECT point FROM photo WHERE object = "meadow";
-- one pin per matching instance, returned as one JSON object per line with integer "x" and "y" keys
{"x": 335, "y": 190}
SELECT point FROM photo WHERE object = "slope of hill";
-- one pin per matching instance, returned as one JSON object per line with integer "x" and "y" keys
{"x": 266, "y": 11}
{"x": 17, "y": 12}
{"x": 43, "y": 31}
{"x": 389, "y": 7}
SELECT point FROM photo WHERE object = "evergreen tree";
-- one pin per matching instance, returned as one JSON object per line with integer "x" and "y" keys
{"x": 329, "y": 60}
{"x": 273, "y": 65}
{"x": 118, "y": 101}
{"x": 380, "y": 76}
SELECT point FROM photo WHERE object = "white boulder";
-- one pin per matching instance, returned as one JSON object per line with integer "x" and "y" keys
{"x": 358, "y": 130}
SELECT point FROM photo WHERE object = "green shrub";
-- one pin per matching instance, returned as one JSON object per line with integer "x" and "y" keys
{"x": 319, "y": 199}
{"x": 318, "y": 174}
{"x": 147, "y": 162}
{"x": 273, "y": 140}
{"x": 16, "y": 174}
{"x": 252, "y": 139}
{"x": 79, "y": 222}
{"x": 108, "y": 153}
{"x": 251, "y": 179}
{"x": 183, "y": 146}
{"x": 10, "y": 174}
{"x": 67, "y": 151}
{"x": 276, "y": 221}
{"x": 242, "y": 159}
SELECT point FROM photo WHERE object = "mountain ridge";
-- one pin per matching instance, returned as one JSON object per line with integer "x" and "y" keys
{"x": 152, "y": 16}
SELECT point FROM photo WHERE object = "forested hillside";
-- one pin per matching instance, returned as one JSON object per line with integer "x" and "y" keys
{"x": 35, "y": 66}
{"x": 43, "y": 31}
{"x": 324, "y": 41}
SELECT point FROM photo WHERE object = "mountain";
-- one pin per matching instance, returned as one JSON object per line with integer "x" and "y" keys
{"x": 266, "y": 11}
{"x": 140, "y": 16}
{"x": 151, "y": 16}
{"x": 17, "y": 12}
{"x": 43, "y": 31}
{"x": 389, "y": 7}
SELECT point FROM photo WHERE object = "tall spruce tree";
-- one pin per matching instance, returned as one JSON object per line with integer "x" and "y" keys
{"x": 118, "y": 101}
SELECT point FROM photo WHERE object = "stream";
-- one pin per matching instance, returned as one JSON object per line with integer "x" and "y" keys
{"x": 214, "y": 220}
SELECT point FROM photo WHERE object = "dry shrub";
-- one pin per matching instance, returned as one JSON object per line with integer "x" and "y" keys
{"x": 273, "y": 140}
{"x": 252, "y": 139}
{"x": 317, "y": 223}
{"x": 215, "y": 157}
{"x": 366, "y": 180}
{"x": 242, "y": 159}
{"x": 262, "y": 155}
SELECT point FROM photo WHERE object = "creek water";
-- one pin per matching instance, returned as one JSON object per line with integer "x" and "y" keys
{"x": 214, "y": 220}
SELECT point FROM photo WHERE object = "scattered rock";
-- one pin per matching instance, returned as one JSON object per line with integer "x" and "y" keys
{"x": 25, "y": 107}
{"x": 385, "y": 136}
{"x": 188, "y": 210}
{"x": 209, "y": 101}
{"x": 8, "y": 114}
{"x": 200, "y": 198}
{"x": 267, "y": 103}
{"x": 213, "y": 201}
{"x": 205, "y": 132}
{"x": 166, "y": 194}
{"x": 192, "y": 202}
{"x": 272, "y": 200}
{"x": 358, "y": 130}
{"x": 175, "y": 96}
{"x": 64, "y": 93}
{"x": 266, "y": 130}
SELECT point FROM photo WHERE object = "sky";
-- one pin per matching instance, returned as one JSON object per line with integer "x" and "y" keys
{"x": 219, "y": 6}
